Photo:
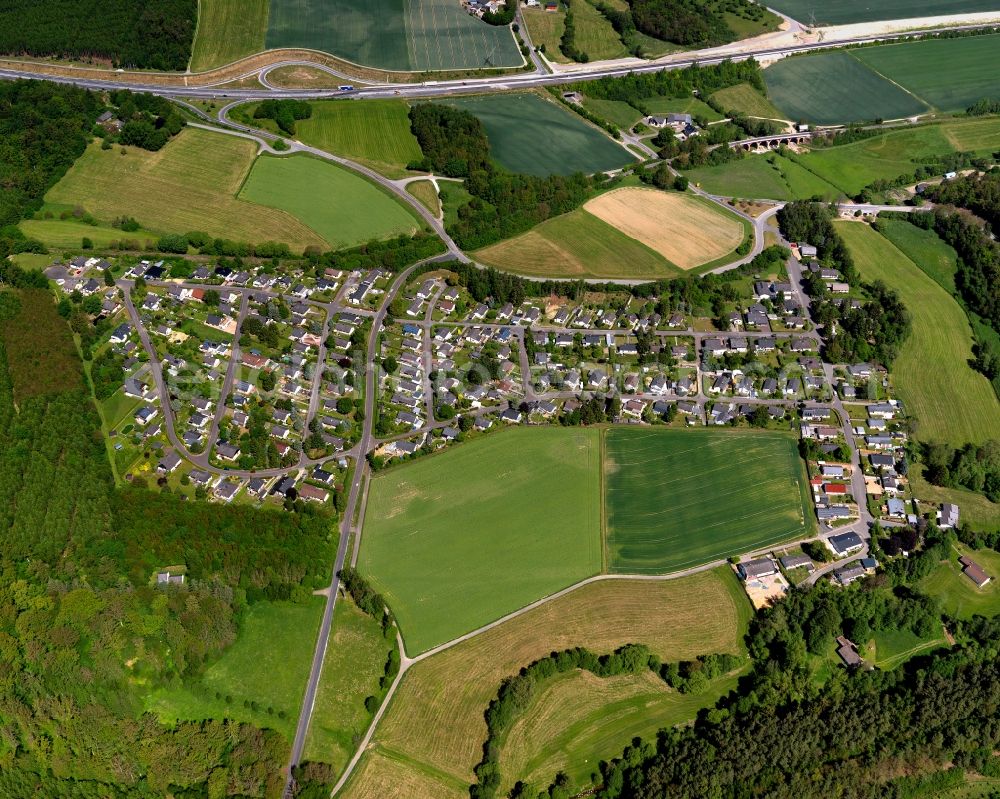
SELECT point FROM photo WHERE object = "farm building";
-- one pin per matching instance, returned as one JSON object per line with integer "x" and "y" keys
{"x": 974, "y": 571}
{"x": 848, "y": 652}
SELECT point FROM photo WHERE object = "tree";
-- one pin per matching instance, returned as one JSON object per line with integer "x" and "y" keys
{"x": 211, "y": 298}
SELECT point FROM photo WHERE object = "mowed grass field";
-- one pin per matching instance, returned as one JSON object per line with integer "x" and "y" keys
{"x": 679, "y": 498}
{"x": 342, "y": 207}
{"x": 682, "y": 228}
{"x": 844, "y": 12}
{"x": 957, "y": 593}
{"x": 435, "y": 723}
{"x": 376, "y": 133}
{"x": 950, "y": 400}
{"x": 459, "y": 539}
{"x": 535, "y": 136}
{"x": 355, "y": 661}
{"x": 413, "y": 35}
{"x": 268, "y": 664}
{"x": 577, "y": 244}
{"x": 769, "y": 176}
{"x": 228, "y": 30}
{"x": 191, "y": 184}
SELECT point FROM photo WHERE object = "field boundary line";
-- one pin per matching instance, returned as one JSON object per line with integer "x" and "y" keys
{"x": 899, "y": 86}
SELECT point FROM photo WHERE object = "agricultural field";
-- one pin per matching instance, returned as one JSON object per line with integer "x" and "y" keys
{"x": 228, "y": 30}
{"x": 766, "y": 176}
{"x": 355, "y": 661}
{"x": 845, "y": 12}
{"x": 579, "y": 719}
{"x": 947, "y": 74}
{"x": 459, "y": 539}
{"x": 577, "y": 244}
{"x": 535, "y": 136}
{"x": 546, "y": 29}
{"x": 685, "y": 230}
{"x": 419, "y": 35}
{"x": 950, "y": 400}
{"x": 957, "y": 593}
{"x": 342, "y": 207}
{"x": 435, "y": 725}
{"x": 374, "y": 132}
{"x": 679, "y": 498}
{"x": 259, "y": 679}
{"x": 744, "y": 97}
{"x": 926, "y": 249}
{"x": 191, "y": 184}
{"x": 832, "y": 88}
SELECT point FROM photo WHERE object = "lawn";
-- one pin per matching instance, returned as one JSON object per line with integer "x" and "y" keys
{"x": 744, "y": 97}
{"x": 535, "y": 136}
{"x": 578, "y": 719}
{"x": 951, "y": 401}
{"x": 435, "y": 723}
{"x": 344, "y": 208}
{"x": 375, "y": 132}
{"x": 845, "y": 12}
{"x": 766, "y": 176}
{"x": 894, "y": 647}
{"x": 831, "y": 88}
{"x": 577, "y": 244}
{"x": 679, "y": 498}
{"x": 190, "y": 184}
{"x": 392, "y": 34}
{"x": 268, "y": 665}
{"x": 459, "y": 539}
{"x": 228, "y": 30}
{"x": 32, "y": 260}
{"x": 947, "y": 74}
{"x": 958, "y": 595}
{"x": 355, "y": 661}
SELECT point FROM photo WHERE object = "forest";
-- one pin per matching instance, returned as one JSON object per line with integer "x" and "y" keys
{"x": 503, "y": 204}
{"x": 84, "y": 631}
{"x": 142, "y": 34}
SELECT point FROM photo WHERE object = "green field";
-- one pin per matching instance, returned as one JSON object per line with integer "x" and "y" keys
{"x": 546, "y": 30}
{"x": 764, "y": 176}
{"x": 191, "y": 184}
{"x": 894, "y": 647}
{"x": 267, "y": 665}
{"x": 228, "y": 30}
{"x": 534, "y": 136}
{"x": 831, "y": 88}
{"x": 375, "y": 132}
{"x": 681, "y": 105}
{"x": 355, "y": 661}
{"x": 617, "y": 112}
{"x": 344, "y": 208}
{"x": 679, "y": 498}
{"x": 594, "y": 34}
{"x": 744, "y": 97}
{"x": 926, "y": 249}
{"x": 950, "y": 400}
{"x": 68, "y": 234}
{"x": 844, "y": 12}
{"x": 459, "y": 539}
{"x": 393, "y": 34}
{"x": 957, "y": 593}
{"x": 577, "y": 244}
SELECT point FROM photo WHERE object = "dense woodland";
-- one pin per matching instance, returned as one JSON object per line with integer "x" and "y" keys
{"x": 83, "y": 631}
{"x": 693, "y": 23}
{"x": 503, "y": 204}
{"x": 145, "y": 34}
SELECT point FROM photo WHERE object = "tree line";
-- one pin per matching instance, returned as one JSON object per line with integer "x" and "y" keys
{"x": 143, "y": 34}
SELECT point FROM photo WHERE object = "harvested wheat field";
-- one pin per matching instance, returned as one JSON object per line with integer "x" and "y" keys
{"x": 681, "y": 228}
{"x": 435, "y": 721}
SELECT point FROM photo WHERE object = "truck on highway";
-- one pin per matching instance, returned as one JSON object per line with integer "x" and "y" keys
{"x": 347, "y": 87}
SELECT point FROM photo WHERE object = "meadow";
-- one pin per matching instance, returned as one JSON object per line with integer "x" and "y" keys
{"x": 459, "y": 539}
{"x": 355, "y": 661}
{"x": 744, "y": 97}
{"x": 342, "y": 207}
{"x": 535, "y": 136}
{"x": 265, "y": 668}
{"x": 228, "y": 30}
{"x": 617, "y": 112}
{"x": 845, "y": 12}
{"x": 950, "y": 400}
{"x": 577, "y": 244}
{"x": 766, "y": 176}
{"x": 681, "y": 105}
{"x": 69, "y": 234}
{"x": 958, "y": 595}
{"x": 594, "y": 34}
{"x": 424, "y": 191}
{"x": 947, "y": 74}
{"x": 392, "y": 34}
{"x": 375, "y": 132}
{"x": 679, "y": 498}
{"x": 434, "y": 726}
{"x": 546, "y": 29}
{"x": 832, "y": 88}
{"x": 936, "y": 258}
{"x": 190, "y": 184}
